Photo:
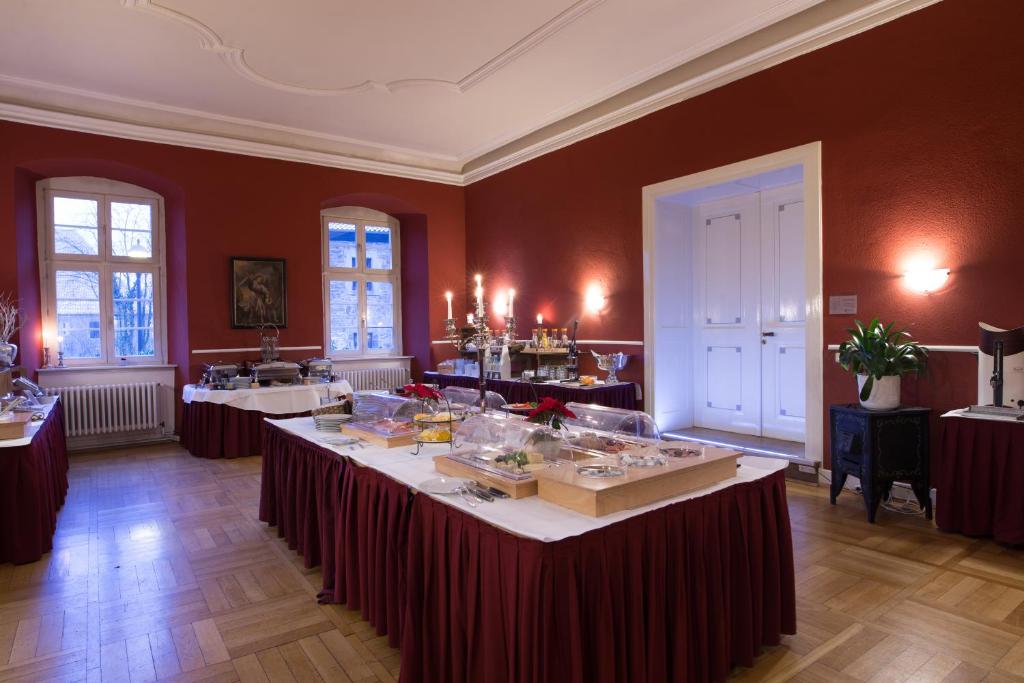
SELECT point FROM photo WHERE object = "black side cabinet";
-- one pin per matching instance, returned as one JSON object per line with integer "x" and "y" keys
{"x": 880, "y": 447}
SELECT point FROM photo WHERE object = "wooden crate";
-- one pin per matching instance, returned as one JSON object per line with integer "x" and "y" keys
{"x": 379, "y": 439}
{"x": 515, "y": 489}
{"x": 15, "y": 428}
{"x": 639, "y": 486}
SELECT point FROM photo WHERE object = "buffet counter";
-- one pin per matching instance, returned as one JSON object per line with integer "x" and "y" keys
{"x": 33, "y": 483}
{"x": 223, "y": 423}
{"x": 980, "y": 476}
{"x": 624, "y": 395}
{"x": 686, "y": 588}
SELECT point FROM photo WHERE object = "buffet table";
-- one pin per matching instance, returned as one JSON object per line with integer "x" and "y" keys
{"x": 221, "y": 423}
{"x": 33, "y": 483}
{"x": 624, "y": 395}
{"x": 981, "y": 476}
{"x": 524, "y": 590}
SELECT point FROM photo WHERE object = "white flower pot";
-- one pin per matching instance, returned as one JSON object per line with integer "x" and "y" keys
{"x": 885, "y": 394}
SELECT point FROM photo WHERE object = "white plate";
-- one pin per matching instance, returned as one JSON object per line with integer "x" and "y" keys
{"x": 443, "y": 485}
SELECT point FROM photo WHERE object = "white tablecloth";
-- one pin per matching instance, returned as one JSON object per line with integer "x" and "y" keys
{"x": 530, "y": 517}
{"x": 33, "y": 428}
{"x": 297, "y": 398}
{"x": 964, "y": 412}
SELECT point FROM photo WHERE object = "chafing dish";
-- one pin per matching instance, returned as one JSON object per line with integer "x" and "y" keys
{"x": 278, "y": 372}
{"x": 321, "y": 368}
{"x": 218, "y": 373}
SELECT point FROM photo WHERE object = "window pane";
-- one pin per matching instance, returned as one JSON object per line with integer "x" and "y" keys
{"x": 344, "y": 302}
{"x": 341, "y": 245}
{"x": 75, "y": 226}
{"x": 378, "y": 247}
{"x": 78, "y": 313}
{"x": 380, "y": 316}
{"x": 133, "y": 314}
{"x": 131, "y": 230}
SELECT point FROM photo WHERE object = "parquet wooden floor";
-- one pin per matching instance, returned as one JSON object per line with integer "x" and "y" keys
{"x": 161, "y": 571}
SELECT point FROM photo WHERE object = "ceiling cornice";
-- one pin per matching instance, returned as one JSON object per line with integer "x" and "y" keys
{"x": 45, "y": 104}
{"x": 761, "y": 50}
{"x": 219, "y": 143}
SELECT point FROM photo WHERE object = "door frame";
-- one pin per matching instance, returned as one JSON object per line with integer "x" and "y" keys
{"x": 809, "y": 157}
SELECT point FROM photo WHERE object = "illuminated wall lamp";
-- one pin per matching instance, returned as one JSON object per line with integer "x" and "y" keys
{"x": 925, "y": 281}
{"x": 594, "y": 300}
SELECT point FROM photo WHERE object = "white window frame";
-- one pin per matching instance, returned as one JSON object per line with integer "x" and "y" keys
{"x": 360, "y": 217}
{"x": 103, "y": 191}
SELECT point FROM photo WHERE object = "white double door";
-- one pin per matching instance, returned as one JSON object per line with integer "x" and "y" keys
{"x": 749, "y": 309}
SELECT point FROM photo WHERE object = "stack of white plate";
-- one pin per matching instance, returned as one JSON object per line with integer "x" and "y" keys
{"x": 331, "y": 422}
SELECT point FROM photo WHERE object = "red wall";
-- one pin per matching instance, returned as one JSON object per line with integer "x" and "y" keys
{"x": 221, "y": 205}
{"x": 922, "y": 129}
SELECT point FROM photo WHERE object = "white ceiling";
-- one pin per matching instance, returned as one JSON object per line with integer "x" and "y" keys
{"x": 398, "y": 86}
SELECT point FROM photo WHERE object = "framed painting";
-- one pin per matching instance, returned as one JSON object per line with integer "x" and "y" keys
{"x": 259, "y": 294}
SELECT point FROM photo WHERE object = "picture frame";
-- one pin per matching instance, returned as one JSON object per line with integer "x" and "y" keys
{"x": 259, "y": 292}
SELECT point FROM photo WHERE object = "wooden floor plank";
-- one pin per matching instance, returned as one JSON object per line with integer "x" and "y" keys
{"x": 161, "y": 571}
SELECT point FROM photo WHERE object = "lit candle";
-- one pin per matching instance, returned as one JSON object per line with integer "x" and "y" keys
{"x": 479, "y": 297}
{"x": 60, "y": 343}
{"x": 448, "y": 298}
{"x": 469, "y": 318}
{"x": 540, "y": 319}
{"x": 511, "y": 297}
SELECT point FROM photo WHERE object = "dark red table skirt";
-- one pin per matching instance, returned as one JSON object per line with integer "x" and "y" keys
{"x": 299, "y": 494}
{"x": 981, "y": 478}
{"x": 214, "y": 430}
{"x": 614, "y": 396}
{"x": 33, "y": 483}
{"x": 683, "y": 593}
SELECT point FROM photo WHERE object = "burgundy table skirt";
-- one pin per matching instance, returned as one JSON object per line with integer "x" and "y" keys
{"x": 299, "y": 493}
{"x": 614, "y": 396}
{"x": 33, "y": 483}
{"x": 684, "y": 593}
{"x": 214, "y": 430}
{"x": 981, "y": 478}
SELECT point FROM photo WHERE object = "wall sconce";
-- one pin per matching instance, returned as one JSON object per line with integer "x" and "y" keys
{"x": 594, "y": 300}
{"x": 926, "y": 280}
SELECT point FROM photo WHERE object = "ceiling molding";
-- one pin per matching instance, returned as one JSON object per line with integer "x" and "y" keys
{"x": 234, "y": 56}
{"x": 691, "y": 79}
{"x": 39, "y": 103}
{"x": 218, "y": 143}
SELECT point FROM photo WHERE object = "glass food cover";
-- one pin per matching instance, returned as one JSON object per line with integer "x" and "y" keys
{"x": 387, "y": 414}
{"x": 499, "y": 445}
{"x": 465, "y": 400}
{"x": 600, "y": 430}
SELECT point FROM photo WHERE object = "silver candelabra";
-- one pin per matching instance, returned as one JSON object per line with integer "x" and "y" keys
{"x": 480, "y": 335}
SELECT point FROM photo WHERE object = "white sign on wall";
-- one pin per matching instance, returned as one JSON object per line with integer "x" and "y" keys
{"x": 843, "y": 304}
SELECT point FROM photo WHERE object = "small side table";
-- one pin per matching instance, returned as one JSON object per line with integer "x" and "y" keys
{"x": 880, "y": 447}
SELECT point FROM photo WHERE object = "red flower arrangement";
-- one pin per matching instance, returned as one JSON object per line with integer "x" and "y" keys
{"x": 418, "y": 390}
{"x": 550, "y": 411}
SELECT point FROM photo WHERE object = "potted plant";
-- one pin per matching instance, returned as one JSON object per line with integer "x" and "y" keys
{"x": 8, "y": 326}
{"x": 549, "y": 412}
{"x": 879, "y": 356}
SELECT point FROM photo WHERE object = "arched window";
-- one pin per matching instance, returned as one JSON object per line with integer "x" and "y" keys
{"x": 362, "y": 282}
{"x": 102, "y": 271}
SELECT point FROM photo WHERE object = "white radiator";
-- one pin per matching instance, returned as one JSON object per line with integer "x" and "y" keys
{"x": 373, "y": 379}
{"x": 109, "y": 408}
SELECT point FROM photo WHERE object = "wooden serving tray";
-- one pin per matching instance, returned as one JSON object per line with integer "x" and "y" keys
{"x": 515, "y": 489}
{"x": 16, "y": 428}
{"x": 379, "y": 439}
{"x": 638, "y": 486}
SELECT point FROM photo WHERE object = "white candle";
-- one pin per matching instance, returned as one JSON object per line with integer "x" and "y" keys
{"x": 470, "y": 318}
{"x": 448, "y": 298}
{"x": 511, "y": 297}
{"x": 60, "y": 343}
{"x": 540, "y": 319}
{"x": 479, "y": 297}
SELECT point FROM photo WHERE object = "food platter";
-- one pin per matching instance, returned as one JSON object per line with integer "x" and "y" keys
{"x": 601, "y": 486}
